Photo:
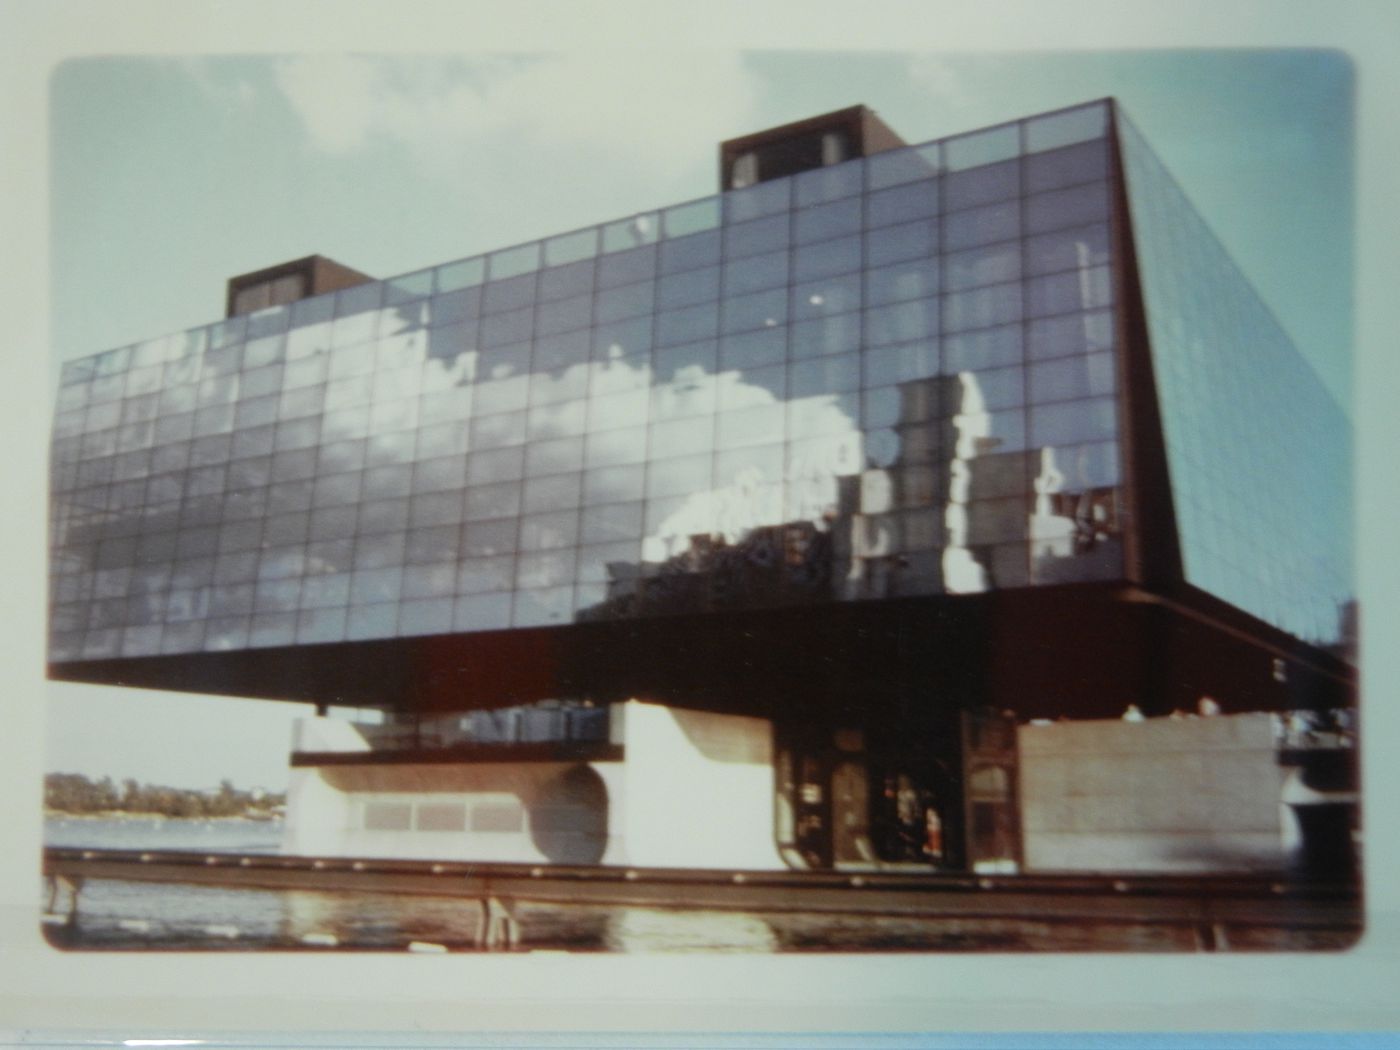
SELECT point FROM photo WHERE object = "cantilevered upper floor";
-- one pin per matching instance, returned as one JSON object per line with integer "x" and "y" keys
{"x": 1000, "y": 362}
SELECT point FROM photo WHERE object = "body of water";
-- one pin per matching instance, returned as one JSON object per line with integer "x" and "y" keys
{"x": 118, "y": 915}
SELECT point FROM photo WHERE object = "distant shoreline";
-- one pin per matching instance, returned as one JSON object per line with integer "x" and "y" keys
{"x": 125, "y": 814}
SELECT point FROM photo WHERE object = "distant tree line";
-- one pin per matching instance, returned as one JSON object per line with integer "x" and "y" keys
{"x": 75, "y": 793}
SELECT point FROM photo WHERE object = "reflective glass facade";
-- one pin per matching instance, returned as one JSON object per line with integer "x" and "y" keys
{"x": 893, "y": 376}
{"x": 1259, "y": 454}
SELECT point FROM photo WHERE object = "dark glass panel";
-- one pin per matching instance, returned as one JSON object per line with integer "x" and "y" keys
{"x": 824, "y": 375}
{"x": 383, "y": 515}
{"x": 1085, "y": 162}
{"x": 503, "y": 329}
{"x": 613, "y": 484}
{"x": 1068, "y": 292}
{"x": 1072, "y": 249}
{"x": 618, "y": 304}
{"x": 489, "y": 538}
{"x": 760, "y": 310}
{"x": 906, "y": 280}
{"x": 610, "y": 523}
{"x": 381, "y": 551}
{"x": 179, "y": 637}
{"x": 622, "y": 339}
{"x": 318, "y": 592}
{"x": 766, "y": 198}
{"x": 543, "y": 606}
{"x": 753, "y": 238}
{"x": 372, "y": 621}
{"x": 823, "y": 221}
{"x": 564, "y": 315}
{"x": 690, "y": 252}
{"x": 276, "y": 596}
{"x": 435, "y": 508}
{"x": 907, "y": 241}
{"x": 901, "y": 322}
{"x": 687, "y": 324}
{"x": 368, "y": 586}
{"x": 1070, "y": 334}
{"x": 287, "y": 528}
{"x": 999, "y": 388}
{"x": 545, "y": 568}
{"x": 549, "y": 531}
{"x": 690, "y": 356}
{"x": 495, "y": 573}
{"x": 1076, "y": 206}
{"x": 908, "y": 203}
{"x": 997, "y": 520}
{"x": 755, "y": 273}
{"x": 832, "y": 335}
{"x": 753, "y": 349}
{"x": 982, "y": 185}
{"x": 892, "y": 167}
{"x": 499, "y": 500}
{"x": 985, "y": 225}
{"x": 688, "y": 288}
{"x": 387, "y": 481}
{"x": 438, "y": 475}
{"x": 996, "y": 304}
{"x": 504, "y": 362}
{"x": 482, "y": 612}
{"x": 828, "y": 183}
{"x": 554, "y": 492}
{"x": 1073, "y": 422}
{"x": 554, "y": 457}
{"x": 992, "y": 264}
{"x": 827, "y": 296}
{"x": 626, "y": 267}
{"x": 321, "y": 625}
{"x": 332, "y": 523}
{"x": 1067, "y": 378}
{"x": 454, "y": 307}
{"x": 435, "y": 580}
{"x": 510, "y": 294}
{"x": 428, "y": 616}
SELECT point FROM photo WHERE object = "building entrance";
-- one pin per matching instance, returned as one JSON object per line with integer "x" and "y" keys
{"x": 848, "y": 799}
{"x": 823, "y": 811}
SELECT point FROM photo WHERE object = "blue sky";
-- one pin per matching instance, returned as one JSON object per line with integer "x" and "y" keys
{"x": 168, "y": 175}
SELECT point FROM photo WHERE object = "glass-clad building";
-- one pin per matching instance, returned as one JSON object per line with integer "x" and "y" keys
{"x": 1006, "y": 362}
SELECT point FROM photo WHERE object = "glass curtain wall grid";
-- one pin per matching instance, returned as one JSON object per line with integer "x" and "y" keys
{"x": 892, "y": 376}
{"x": 1258, "y": 451}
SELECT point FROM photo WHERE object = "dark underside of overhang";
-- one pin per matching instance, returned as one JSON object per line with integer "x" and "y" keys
{"x": 1077, "y": 651}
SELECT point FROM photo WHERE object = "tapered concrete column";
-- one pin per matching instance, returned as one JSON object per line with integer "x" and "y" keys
{"x": 697, "y": 788}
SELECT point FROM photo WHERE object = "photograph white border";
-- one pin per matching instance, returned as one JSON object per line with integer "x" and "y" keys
{"x": 119, "y": 995}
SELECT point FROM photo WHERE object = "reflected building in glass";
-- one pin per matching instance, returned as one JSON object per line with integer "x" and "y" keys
{"x": 877, "y": 445}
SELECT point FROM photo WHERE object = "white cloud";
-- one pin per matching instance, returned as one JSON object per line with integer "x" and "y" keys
{"x": 945, "y": 81}
{"x": 621, "y": 104}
